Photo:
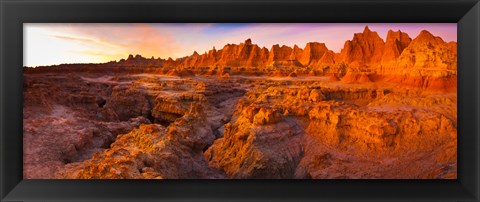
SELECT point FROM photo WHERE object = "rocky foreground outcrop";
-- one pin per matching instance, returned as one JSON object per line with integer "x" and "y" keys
{"x": 65, "y": 121}
{"x": 153, "y": 152}
{"x": 153, "y": 126}
{"x": 285, "y": 132}
{"x": 68, "y": 119}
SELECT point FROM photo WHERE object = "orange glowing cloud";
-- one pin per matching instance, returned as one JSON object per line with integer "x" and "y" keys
{"x": 48, "y": 44}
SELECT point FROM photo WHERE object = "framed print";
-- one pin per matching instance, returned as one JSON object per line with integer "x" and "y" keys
{"x": 363, "y": 108}
{"x": 231, "y": 100}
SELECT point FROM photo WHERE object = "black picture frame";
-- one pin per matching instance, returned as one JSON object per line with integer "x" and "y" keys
{"x": 14, "y": 13}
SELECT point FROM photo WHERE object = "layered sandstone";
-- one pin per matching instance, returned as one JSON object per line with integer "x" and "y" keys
{"x": 315, "y": 133}
{"x": 365, "y": 49}
{"x": 427, "y": 62}
{"x": 153, "y": 152}
{"x": 428, "y": 51}
{"x": 395, "y": 43}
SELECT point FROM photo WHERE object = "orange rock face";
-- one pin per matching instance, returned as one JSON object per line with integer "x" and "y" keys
{"x": 318, "y": 136}
{"x": 365, "y": 49}
{"x": 376, "y": 110}
{"x": 428, "y": 51}
{"x": 312, "y": 53}
{"x": 395, "y": 44}
{"x": 153, "y": 152}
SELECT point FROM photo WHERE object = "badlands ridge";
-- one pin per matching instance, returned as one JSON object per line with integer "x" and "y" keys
{"x": 376, "y": 110}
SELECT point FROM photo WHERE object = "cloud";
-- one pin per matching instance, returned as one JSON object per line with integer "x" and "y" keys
{"x": 123, "y": 39}
{"x": 87, "y": 40}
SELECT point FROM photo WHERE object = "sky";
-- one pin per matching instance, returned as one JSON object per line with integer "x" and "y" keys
{"x": 58, "y": 43}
